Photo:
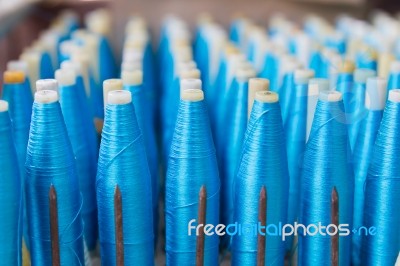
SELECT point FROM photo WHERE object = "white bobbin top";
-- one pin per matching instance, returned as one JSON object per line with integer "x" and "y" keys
{"x": 245, "y": 73}
{"x": 47, "y": 84}
{"x": 131, "y": 66}
{"x": 189, "y": 74}
{"x": 394, "y": 96}
{"x": 192, "y": 95}
{"x": 134, "y": 77}
{"x": 119, "y": 97}
{"x": 65, "y": 76}
{"x": 259, "y": 84}
{"x": 302, "y": 76}
{"x": 18, "y": 65}
{"x": 267, "y": 96}
{"x": 3, "y": 106}
{"x": 322, "y": 84}
{"x": 395, "y": 67}
{"x": 376, "y": 93}
{"x": 46, "y": 96}
{"x": 330, "y": 96}
{"x": 68, "y": 47}
{"x": 190, "y": 84}
{"x": 132, "y": 55}
{"x": 361, "y": 75}
{"x": 73, "y": 65}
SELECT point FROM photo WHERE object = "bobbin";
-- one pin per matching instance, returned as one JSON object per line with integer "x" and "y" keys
{"x": 46, "y": 96}
{"x": 192, "y": 95}
{"x": 18, "y": 65}
{"x": 330, "y": 96}
{"x": 267, "y": 96}
{"x": 65, "y": 77}
{"x": 3, "y": 106}
{"x": 119, "y": 97}
{"x": 47, "y": 84}
{"x": 394, "y": 95}
{"x": 376, "y": 93}
{"x": 361, "y": 75}
{"x": 13, "y": 77}
{"x": 111, "y": 85}
{"x": 134, "y": 77}
{"x": 395, "y": 67}
{"x": 302, "y": 76}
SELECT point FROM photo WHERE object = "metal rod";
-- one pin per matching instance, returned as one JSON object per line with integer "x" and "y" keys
{"x": 201, "y": 220}
{"x": 335, "y": 221}
{"x": 262, "y": 219}
{"x": 119, "y": 238}
{"x": 55, "y": 242}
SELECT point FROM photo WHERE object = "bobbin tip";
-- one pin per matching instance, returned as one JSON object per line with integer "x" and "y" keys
{"x": 394, "y": 95}
{"x": 112, "y": 84}
{"x": 245, "y": 73}
{"x": 192, "y": 95}
{"x": 302, "y": 76}
{"x": 395, "y": 67}
{"x": 46, "y": 96}
{"x": 361, "y": 75}
{"x": 322, "y": 84}
{"x": 3, "y": 106}
{"x": 267, "y": 96}
{"x": 259, "y": 84}
{"x": 190, "y": 74}
{"x": 73, "y": 65}
{"x": 13, "y": 77}
{"x": 17, "y": 65}
{"x": 330, "y": 96}
{"x": 190, "y": 84}
{"x": 119, "y": 97}
{"x": 65, "y": 77}
{"x": 46, "y": 84}
{"x": 347, "y": 67}
{"x": 134, "y": 77}
{"x": 376, "y": 93}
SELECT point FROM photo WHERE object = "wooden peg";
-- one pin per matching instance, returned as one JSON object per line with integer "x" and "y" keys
{"x": 335, "y": 221}
{"x": 55, "y": 242}
{"x": 119, "y": 237}
{"x": 201, "y": 220}
{"x": 262, "y": 218}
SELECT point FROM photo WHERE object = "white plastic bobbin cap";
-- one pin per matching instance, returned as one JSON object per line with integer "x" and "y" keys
{"x": 267, "y": 96}
{"x": 330, "y": 96}
{"x": 72, "y": 65}
{"x": 189, "y": 74}
{"x": 320, "y": 83}
{"x": 192, "y": 95}
{"x": 376, "y": 93}
{"x": 3, "y": 106}
{"x": 134, "y": 77}
{"x": 119, "y": 97}
{"x": 18, "y": 65}
{"x": 245, "y": 73}
{"x": 65, "y": 77}
{"x": 68, "y": 47}
{"x": 259, "y": 84}
{"x": 47, "y": 84}
{"x": 395, "y": 67}
{"x": 131, "y": 66}
{"x": 394, "y": 96}
{"x": 361, "y": 75}
{"x": 46, "y": 96}
{"x": 190, "y": 84}
{"x": 302, "y": 76}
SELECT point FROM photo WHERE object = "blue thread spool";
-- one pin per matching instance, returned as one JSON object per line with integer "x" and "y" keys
{"x": 295, "y": 136}
{"x": 11, "y": 191}
{"x": 50, "y": 162}
{"x": 192, "y": 165}
{"x": 382, "y": 191}
{"x": 367, "y": 58}
{"x": 122, "y": 162}
{"x": 86, "y": 162}
{"x": 263, "y": 163}
{"x": 132, "y": 82}
{"x": 326, "y": 166}
{"x": 369, "y": 126}
{"x": 394, "y": 76}
{"x": 22, "y": 66}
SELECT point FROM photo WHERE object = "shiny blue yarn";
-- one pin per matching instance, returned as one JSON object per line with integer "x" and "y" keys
{"x": 295, "y": 136}
{"x": 362, "y": 156}
{"x": 382, "y": 193}
{"x": 46, "y": 70}
{"x": 122, "y": 162}
{"x": 86, "y": 162}
{"x": 317, "y": 65}
{"x": 270, "y": 70}
{"x": 263, "y": 163}
{"x": 143, "y": 120}
{"x": 394, "y": 81}
{"x": 50, "y": 161}
{"x": 326, "y": 165}
{"x": 235, "y": 125}
{"x": 192, "y": 164}
{"x": 11, "y": 196}
{"x": 363, "y": 60}
{"x": 285, "y": 92}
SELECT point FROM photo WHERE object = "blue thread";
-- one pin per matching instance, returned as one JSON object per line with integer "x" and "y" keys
{"x": 364, "y": 59}
{"x": 49, "y": 162}
{"x": 192, "y": 164}
{"x": 263, "y": 163}
{"x": 11, "y": 196}
{"x": 86, "y": 162}
{"x": 122, "y": 162}
{"x": 394, "y": 81}
{"x": 46, "y": 66}
{"x": 139, "y": 102}
{"x": 326, "y": 165}
{"x": 362, "y": 156}
{"x": 382, "y": 193}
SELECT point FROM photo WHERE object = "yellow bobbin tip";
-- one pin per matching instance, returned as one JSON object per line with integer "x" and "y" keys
{"x": 347, "y": 67}
{"x": 13, "y": 77}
